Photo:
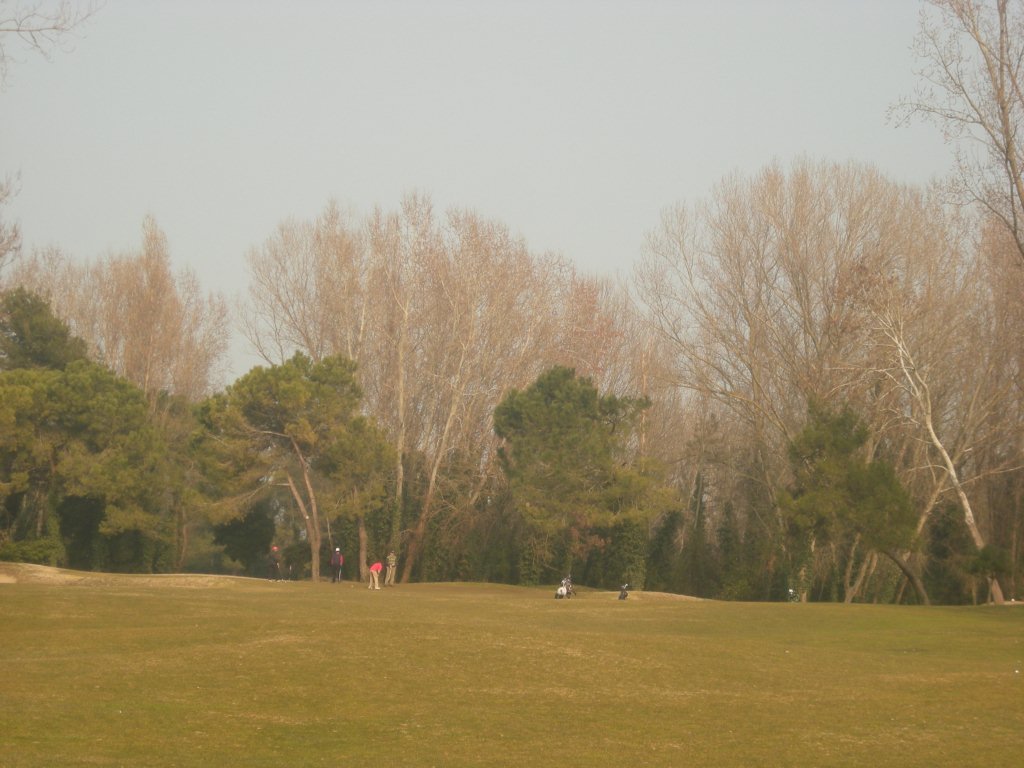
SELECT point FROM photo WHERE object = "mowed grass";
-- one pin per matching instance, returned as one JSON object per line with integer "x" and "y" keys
{"x": 179, "y": 671}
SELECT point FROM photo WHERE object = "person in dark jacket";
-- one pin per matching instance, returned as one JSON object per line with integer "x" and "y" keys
{"x": 337, "y": 560}
{"x": 275, "y": 564}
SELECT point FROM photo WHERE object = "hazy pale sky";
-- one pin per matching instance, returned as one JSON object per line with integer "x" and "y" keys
{"x": 574, "y": 123}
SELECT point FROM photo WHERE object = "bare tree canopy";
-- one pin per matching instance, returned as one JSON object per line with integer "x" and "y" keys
{"x": 40, "y": 26}
{"x": 971, "y": 54}
{"x": 829, "y": 284}
{"x": 10, "y": 232}
{"x": 149, "y": 323}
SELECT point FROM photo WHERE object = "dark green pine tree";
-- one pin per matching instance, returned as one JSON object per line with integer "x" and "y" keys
{"x": 31, "y": 336}
{"x": 733, "y": 573}
{"x": 697, "y": 567}
{"x": 663, "y": 560}
{"x": 837, "y": 495}
{"x": 295, "y": 430}
{"x": 565, "y": 456}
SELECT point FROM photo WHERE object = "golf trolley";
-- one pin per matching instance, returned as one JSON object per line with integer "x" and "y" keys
{"x": 565, "y": 589}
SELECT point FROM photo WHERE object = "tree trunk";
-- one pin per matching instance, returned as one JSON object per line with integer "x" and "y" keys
{"x": 848, "y": 592}
{"x": 965, "y": 504}
{"x": 918, "y": 387}
{"x": 396, "y": 513}
{"x": 311, "y": 523}
{"x": 420, "y": 532}
{"x": 183, "y": 538}
{"x": 415, "y": 544}
{"x": 364, "y": 572}
{"x": 912, "y": 577}
{"x": 867, "y": 566}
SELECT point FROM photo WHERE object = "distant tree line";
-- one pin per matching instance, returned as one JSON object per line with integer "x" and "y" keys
{"x": 812, "y": 382}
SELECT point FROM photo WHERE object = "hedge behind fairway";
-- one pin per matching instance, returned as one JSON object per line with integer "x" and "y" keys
{"x": 202, "y": 671}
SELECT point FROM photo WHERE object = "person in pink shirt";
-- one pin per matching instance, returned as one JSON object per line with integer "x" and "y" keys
{"x": 375, "y": 570}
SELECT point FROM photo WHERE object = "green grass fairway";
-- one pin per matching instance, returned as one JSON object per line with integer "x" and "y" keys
{"x": 203, "y": 671}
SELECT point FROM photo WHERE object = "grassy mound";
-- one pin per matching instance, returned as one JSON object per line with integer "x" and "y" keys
{"x": 105, "y": 670}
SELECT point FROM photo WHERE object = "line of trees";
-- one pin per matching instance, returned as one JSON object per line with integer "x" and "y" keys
{"x": 811, "y": 382}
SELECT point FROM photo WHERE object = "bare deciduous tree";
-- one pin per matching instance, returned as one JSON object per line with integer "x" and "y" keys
{"x": 972, "y": 86}
{"x": 443, "y": 314}
{"x": 943, "y": 360}
{"x": 755, "y": 290}
{"x": 10, "y": 232}
{"x": 157, "y": 329}
{"x": 40, "y": 26}
{"x": 307, "y": 286}
{"x": 759, "y": 296}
